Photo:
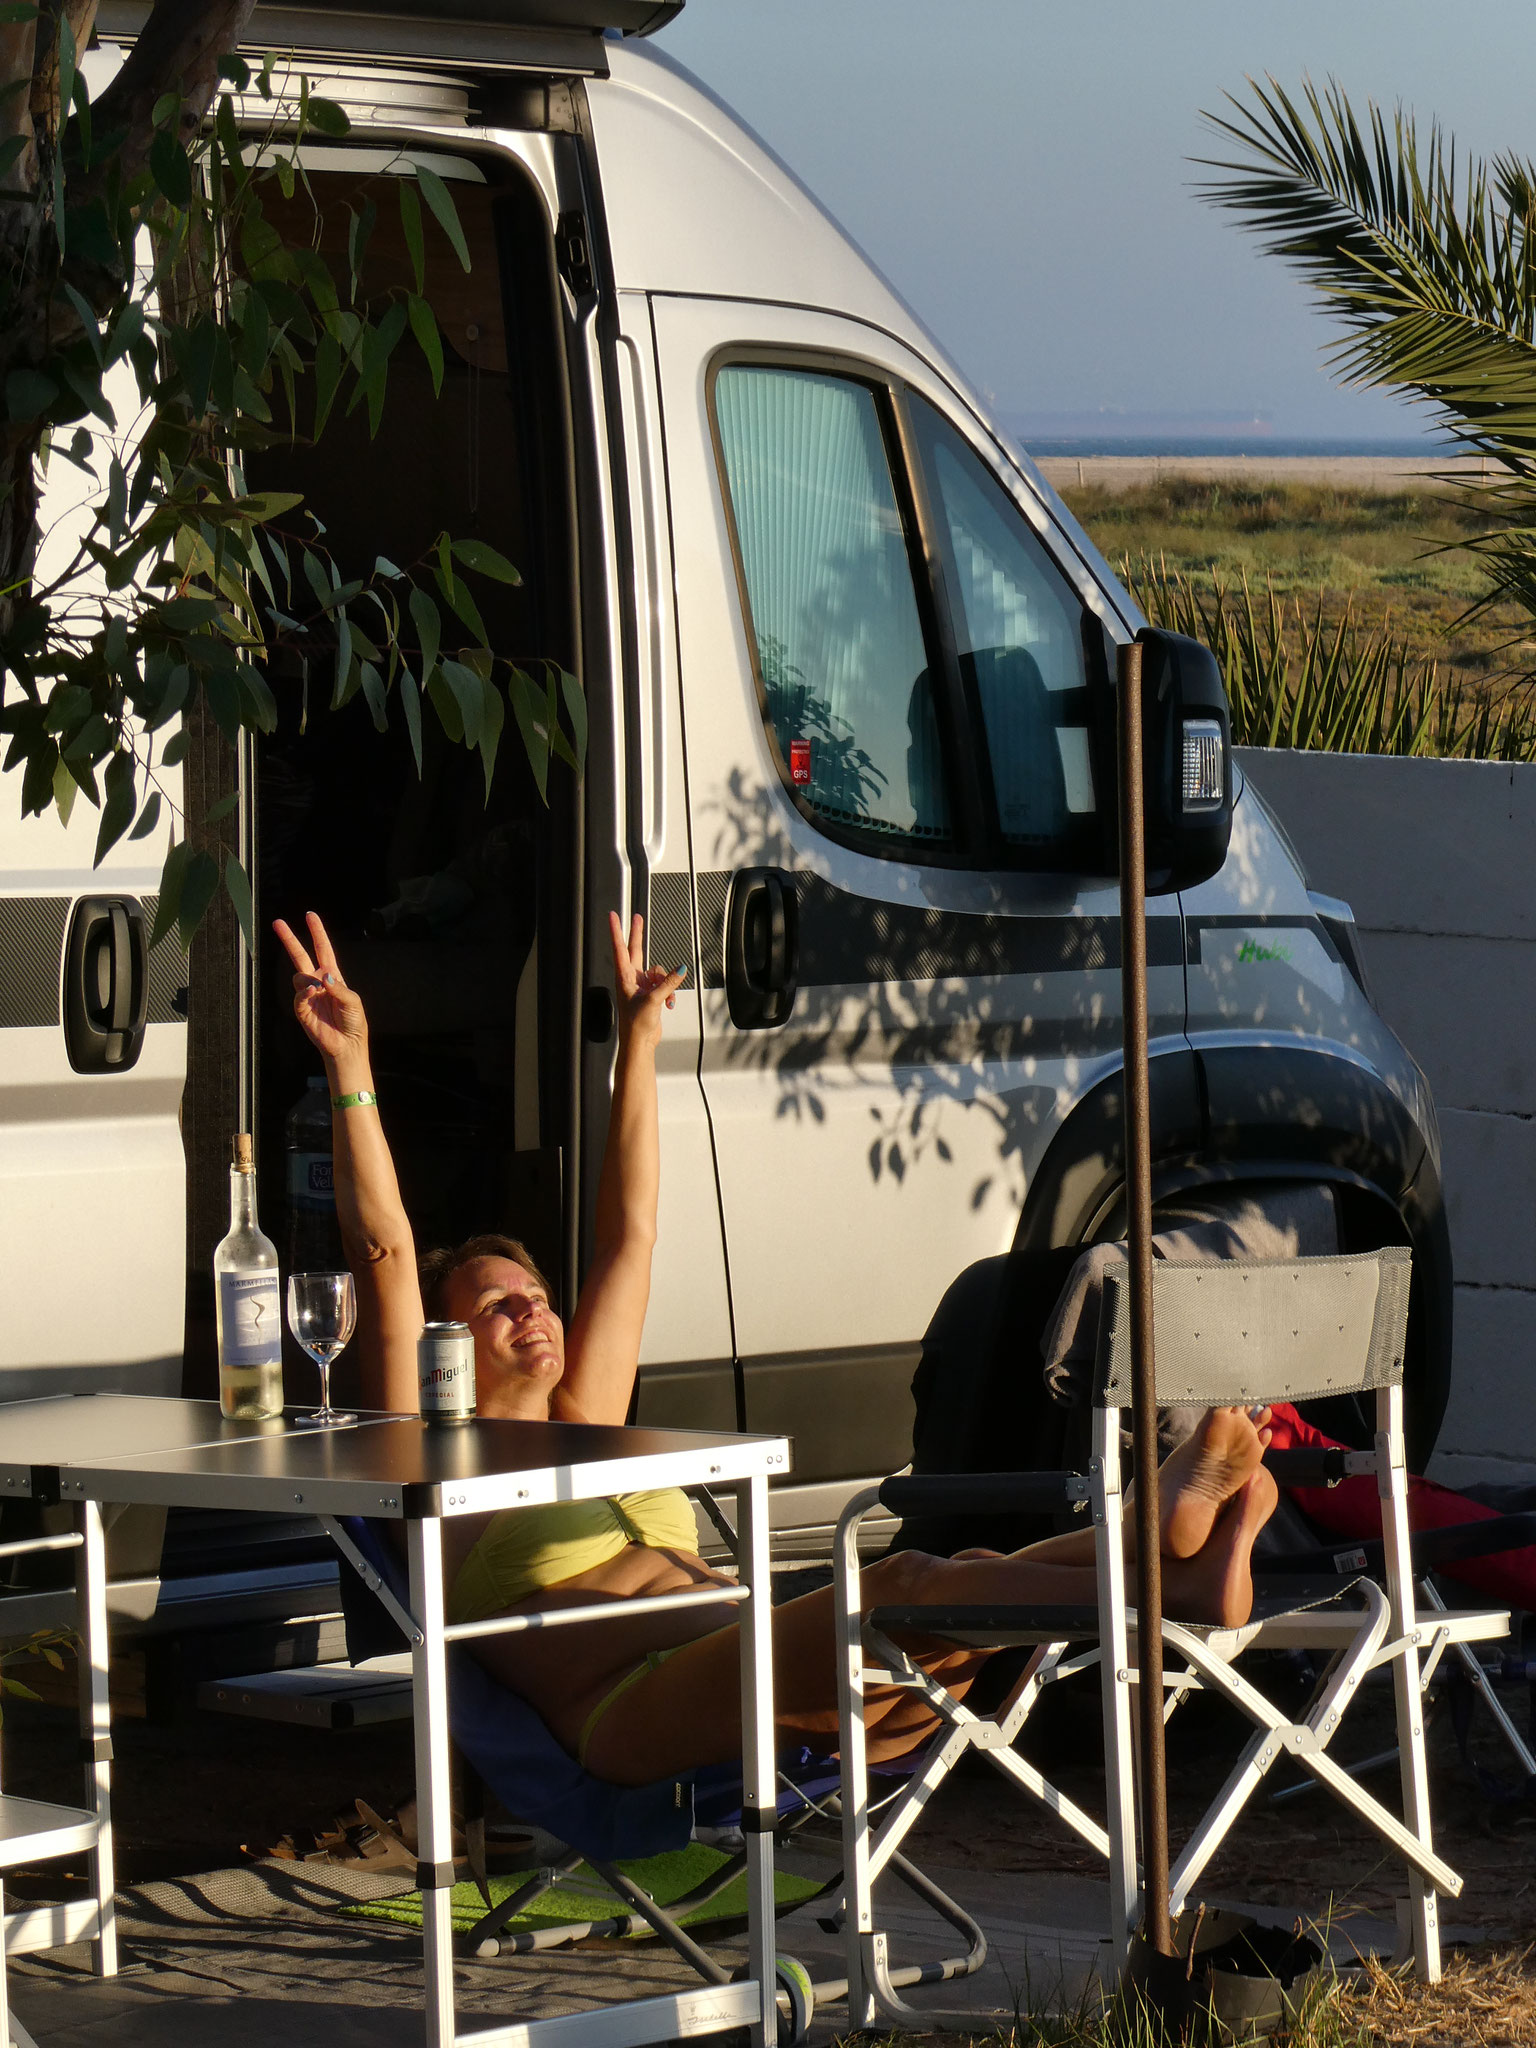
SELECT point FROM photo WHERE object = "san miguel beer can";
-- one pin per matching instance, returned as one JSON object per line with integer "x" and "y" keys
{"x": 445, "y": 1372}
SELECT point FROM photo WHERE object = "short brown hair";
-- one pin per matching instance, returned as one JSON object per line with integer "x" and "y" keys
{"x": 434, "y": 1269}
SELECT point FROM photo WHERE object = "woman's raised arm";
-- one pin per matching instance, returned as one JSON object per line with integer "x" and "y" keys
{"x": 375, "y": 1230}
{"x": 602, "y": 1349}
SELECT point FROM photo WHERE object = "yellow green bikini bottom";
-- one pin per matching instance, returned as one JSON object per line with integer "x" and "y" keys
{"x": 654, "y": 1659}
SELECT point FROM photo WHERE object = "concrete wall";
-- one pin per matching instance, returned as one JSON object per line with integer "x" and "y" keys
{"x": 1438, "y": 859}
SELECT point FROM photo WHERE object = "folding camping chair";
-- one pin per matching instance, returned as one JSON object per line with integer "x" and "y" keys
{"x": 1226, "y": 1332}
{"x": 512, "y": 1753}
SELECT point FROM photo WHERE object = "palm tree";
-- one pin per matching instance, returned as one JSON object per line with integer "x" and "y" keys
{"x": 1430, "y": 268}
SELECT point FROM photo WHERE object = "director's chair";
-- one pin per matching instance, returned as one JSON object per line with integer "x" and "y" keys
{"x": 1227, "y": 1332}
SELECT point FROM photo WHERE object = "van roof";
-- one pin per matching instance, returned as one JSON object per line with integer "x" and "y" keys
{"x": 538, "y": 35}
{"x": 631, "y": 17}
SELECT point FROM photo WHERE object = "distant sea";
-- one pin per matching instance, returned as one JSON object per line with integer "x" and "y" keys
{"x": 1212, "y": 444}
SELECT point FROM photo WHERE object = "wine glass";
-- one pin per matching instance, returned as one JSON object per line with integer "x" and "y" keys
{"x": 322, "y": 1314}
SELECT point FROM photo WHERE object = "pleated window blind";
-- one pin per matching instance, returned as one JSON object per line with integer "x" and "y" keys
{"x": 833, "y": 609}
{"x": 1020, "y": 628}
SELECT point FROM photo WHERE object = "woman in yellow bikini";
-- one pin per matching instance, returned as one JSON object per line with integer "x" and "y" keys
{"x": 637, "y": 1701}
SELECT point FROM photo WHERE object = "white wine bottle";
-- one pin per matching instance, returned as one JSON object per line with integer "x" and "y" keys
{"x": 249, "y": 1303}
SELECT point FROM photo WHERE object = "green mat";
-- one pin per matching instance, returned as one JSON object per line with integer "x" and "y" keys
{"x": 583, "y": 1896}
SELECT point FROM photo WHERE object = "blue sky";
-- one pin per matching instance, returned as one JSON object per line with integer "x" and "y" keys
{"x": 1019, "y": 170}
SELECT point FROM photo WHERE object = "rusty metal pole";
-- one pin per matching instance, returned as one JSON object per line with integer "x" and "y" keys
{"x": 1138, "y": 1178}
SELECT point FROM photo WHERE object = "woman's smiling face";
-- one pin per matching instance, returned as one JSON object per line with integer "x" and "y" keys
{"x": 519, "y": 1340}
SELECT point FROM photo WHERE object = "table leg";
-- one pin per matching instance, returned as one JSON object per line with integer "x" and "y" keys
{"x": 759, "y": 1775}
{"x": 434, "y": 1806}
{"x": 96, "y": 1726}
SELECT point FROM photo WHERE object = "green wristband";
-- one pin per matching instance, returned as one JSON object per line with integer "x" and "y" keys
{"x": 360, "y": 1098}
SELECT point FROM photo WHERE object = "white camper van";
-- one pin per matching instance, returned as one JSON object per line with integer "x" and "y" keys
{"x": 849, "y": 670}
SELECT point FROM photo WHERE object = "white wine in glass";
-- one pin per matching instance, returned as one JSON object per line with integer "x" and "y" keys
{"x": 322, "y": 1314}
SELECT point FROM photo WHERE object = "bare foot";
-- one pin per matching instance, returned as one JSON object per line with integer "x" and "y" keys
{"x": 1216, "y": 1585}
{"x": 1197, "y": 1479}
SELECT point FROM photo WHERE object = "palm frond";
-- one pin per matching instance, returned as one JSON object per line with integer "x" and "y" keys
{"x": 1430, "y": 269}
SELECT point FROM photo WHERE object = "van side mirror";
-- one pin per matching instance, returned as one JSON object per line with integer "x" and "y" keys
{"x": 1187, "y": 761}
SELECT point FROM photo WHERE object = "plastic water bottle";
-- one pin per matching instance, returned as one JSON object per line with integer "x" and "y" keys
{"x": 314, "y": 1240}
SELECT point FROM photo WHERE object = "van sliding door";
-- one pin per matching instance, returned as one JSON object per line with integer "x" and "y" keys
{"x": 894, "y": 699}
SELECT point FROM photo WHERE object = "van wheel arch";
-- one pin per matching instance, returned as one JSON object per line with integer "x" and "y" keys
{"x": 979, "y": 1383}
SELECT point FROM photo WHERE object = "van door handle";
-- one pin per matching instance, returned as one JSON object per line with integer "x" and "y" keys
{"x": 762, "y": 948}
{"x": 106, "y": 985}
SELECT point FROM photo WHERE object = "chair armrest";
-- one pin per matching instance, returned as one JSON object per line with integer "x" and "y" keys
{"x": 982, "y": 1493}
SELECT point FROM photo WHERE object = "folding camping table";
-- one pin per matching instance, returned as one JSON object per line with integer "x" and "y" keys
{"x": 87, "y": 1449}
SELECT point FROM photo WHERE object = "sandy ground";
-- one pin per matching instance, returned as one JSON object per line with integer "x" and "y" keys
{"x": 1343, "y": 472}
{"x": 205, "y": 1967}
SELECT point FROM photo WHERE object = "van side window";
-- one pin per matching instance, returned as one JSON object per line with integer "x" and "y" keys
{"x": 847, "y": 692}
{"x": 1018, "y": 630}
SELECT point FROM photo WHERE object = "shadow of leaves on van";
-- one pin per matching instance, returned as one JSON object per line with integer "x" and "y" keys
{"x": 937, "y": 1016}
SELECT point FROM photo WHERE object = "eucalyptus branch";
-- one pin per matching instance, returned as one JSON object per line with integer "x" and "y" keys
{"x": 162, "y": 274}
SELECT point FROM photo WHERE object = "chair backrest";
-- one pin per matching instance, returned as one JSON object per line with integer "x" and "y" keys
{"x": 1231, "y": 1330}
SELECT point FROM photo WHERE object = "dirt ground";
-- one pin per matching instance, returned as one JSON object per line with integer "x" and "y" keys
{"x": 1302, "y": 1853}
{"x": 209, "y": 1790}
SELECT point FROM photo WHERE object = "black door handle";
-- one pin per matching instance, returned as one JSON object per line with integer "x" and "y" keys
{"x": 106, "y": 985}
{"x": 762, "y": 948}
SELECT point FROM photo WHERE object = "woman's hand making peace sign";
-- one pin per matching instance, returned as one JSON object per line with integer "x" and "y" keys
{"x": 641, "y": 992}
{"x": 330, "y": 1013}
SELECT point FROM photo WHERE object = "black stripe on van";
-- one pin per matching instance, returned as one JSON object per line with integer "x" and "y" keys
{"x": 848, "y": 940}
{"x": 32, "y": 934}
{"x": 31, "y": 959}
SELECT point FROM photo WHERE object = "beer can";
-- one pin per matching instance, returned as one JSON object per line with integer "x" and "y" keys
{"x": 445, "y": 1372}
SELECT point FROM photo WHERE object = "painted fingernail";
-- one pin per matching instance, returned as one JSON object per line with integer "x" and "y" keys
{"x": 330, "y": 981}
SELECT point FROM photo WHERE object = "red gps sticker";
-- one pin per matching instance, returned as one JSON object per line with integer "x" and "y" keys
{"x": 799, "y": 762}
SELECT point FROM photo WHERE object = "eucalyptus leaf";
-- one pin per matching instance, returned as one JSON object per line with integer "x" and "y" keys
{"x": 168, "y": 902}
{"x": 440, "y": 199}
{"x": 428, "y": 339}
{"x": 410, "y": 227}
{"x": 528, "y": 709}
{"x": 485, "y": 560}
{"x": 198, "y": 883}
{"x": 237, "y": 886}
{"x": 410, "y": 706}
{"x": 121, "y": 801}
{"x": 149, "y": 816}
{"x": 469, "y": 693}
{"x": 238, "y": 332}
{"x": 428, "y": 622}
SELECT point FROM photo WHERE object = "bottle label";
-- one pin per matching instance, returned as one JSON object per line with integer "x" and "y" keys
{"x": 311, "y": 1181}
{"x": 250, "y": 1320}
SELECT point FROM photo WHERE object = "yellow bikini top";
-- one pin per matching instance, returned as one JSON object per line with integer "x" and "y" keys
{"x": 527, "y": 1549}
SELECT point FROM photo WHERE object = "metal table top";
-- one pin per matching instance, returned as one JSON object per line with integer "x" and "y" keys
{"x": 175, "y": 1453}
{"x": 39, "y": 1437}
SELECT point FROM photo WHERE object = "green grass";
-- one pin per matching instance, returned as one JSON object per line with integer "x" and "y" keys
{"x": 1297, "y": 677}
{"x": 1336, "y": 615}
{"x": 1486, "y": 1999}
{"x": 1391, "y": 560}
